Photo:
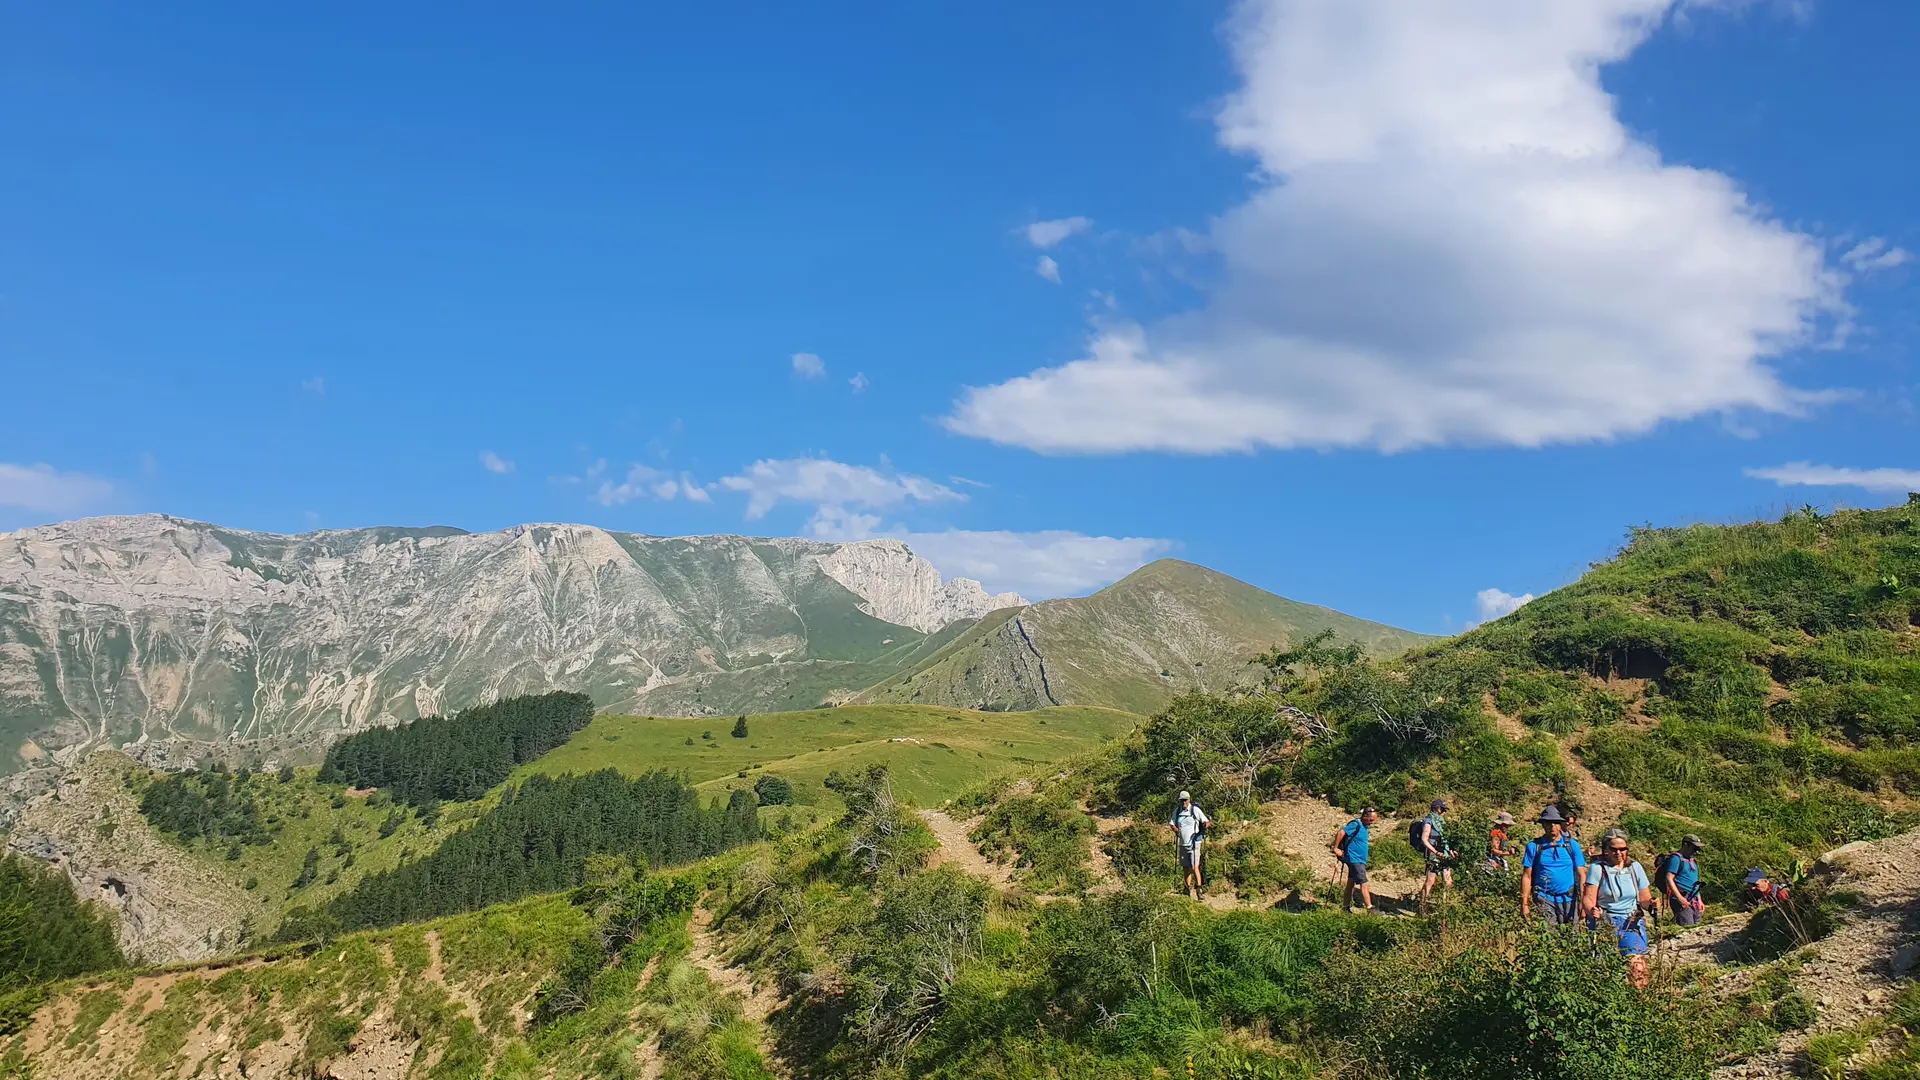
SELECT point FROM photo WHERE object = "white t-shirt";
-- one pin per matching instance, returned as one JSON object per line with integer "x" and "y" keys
{"x": 1187, "y": 821}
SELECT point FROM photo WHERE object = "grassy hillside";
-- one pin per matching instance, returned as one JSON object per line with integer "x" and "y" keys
{"x": 1168, "y": 627}
{"x": 933, "y": 753}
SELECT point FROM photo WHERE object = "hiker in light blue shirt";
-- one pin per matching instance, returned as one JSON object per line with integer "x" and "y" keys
{"x": 1550, "y": 870}
{"x": 1618, "y": 896}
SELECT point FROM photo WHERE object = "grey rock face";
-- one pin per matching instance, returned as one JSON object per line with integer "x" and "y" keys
{"x": 134, "y": 630}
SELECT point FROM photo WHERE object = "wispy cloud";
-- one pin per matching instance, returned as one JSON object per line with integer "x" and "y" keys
{"x": 1493, "y": 603}
{"x": 316, "y": 386}
{"x": 858, "y": 382}
{"x": 807, "y": 365}
{"x": 647, "y": 482}
{"x": 1046, "y": 234}
{"x": 1801, "y": 473}
{"x": 1873, "y": 254}
{"x": 1048, "y": 269}
{"x": 1037, "y": 565}
{"x": 1434, "y": 259}
{"x": 824, "y": 482}
{"x": 45, "y": 490}
{"x": 494, "y": 463}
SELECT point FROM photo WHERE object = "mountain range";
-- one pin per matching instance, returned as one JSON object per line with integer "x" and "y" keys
{"x": 165, "y": 635}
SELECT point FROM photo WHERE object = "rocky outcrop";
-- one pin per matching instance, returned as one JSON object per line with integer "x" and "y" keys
{"x": 901, "y": 587}
{"x": 170, "y": 906}
{"x": 136, "y": 630}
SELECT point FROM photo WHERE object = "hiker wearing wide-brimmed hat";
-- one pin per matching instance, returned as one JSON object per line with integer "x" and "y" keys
{"x": 1550, "y": 870}
{"x": 1499, "y": 844}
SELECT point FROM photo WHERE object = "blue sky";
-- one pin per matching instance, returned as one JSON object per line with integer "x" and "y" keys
{"x": 1375, "y": 304}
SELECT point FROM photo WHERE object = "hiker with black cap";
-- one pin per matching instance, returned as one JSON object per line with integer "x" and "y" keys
{"x": 1429, "y": 837}
{"x": 1350, "y": 846}
{"x": 1550, "y": 870}
{"x": 1499, "y": 844}
{"x": 1618, "y": 895}
{"x": 1676, "y": 876}
{"x": 1189, "y": 824}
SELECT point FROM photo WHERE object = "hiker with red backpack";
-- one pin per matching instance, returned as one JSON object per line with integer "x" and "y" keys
{"x": 1676, "y": 878}
{"x": 1550, "y": 872}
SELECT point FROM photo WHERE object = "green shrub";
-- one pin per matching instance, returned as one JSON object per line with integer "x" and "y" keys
{"x": 1044, "y": 838}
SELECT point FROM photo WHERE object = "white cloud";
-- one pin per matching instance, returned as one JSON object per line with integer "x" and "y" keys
{"x": 830, "y": 483}
{"x": 859, "y": 382}
{"x": 1457, "y": 243}
{"x": 646, "y": 482}
{"x": 44, "y": 490}
{"x": 316, "y": 386}
{"x": 808, "y": 366}
{"x": 494, "y": 463}
{"x": 1046, "y": 234}
{"x": 1048, "y": 269}
{"x": 1800, "y": 473}
{"x": 1037, "y": 565}
{"x": 1494, "y": 603}
{"x": 1873, "y": 254}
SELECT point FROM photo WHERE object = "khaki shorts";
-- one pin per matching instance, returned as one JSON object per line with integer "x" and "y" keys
{"x": 1190, "y": 856}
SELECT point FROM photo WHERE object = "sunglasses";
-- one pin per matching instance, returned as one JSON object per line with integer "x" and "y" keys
{"x": 1616, "y": 851}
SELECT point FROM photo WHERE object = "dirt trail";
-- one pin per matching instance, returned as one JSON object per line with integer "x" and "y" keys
{"x": 709, "y": 956}
{"x": 1860, "y": 965}
{"x": 955, "y": 849}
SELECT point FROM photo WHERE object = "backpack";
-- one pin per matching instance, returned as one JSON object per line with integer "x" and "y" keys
{"x": 1347, "y": 832}
{"x": 1415, "y": 833}
{"x": 1661, "y": 875}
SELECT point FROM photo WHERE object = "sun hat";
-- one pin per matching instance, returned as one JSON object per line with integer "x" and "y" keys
{"x": 1755, "y": 876}
{"x": 1551, "y": 815}
{"x": 1185, "y": 795}
{"x": 1503, "y": 818}
{"x": 1693, "y": 842}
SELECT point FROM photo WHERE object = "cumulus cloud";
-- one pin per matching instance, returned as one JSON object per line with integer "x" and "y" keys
{"x": 859, "y": 382}
{"x": 1037, "y": 565}
{"x": 824, "y": 482}
{"x": 494, "y": 463}
{"x": 647, "y": 482}
{"x": 1457, "y": 242}
{"x": 808, "y": 366}
{"x": 1493, "y": 603}
{"x": 45, "y": 490}
{"x": 1046, "y": 234}
{"x": 1048, "y": 269}
{"x": 1873, "y": 254}
{"x": 1801, "y": 473}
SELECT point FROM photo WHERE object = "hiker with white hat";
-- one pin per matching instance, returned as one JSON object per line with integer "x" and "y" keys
{"x": 1189, "y": 824}
{"x": 1499, "y": 848}
{"x": 1550, "y": 871}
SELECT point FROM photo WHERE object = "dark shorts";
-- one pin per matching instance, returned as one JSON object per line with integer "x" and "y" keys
{"x": 1683, "y": 914}
{"x": 1556, "y": 910}
{"x": 1630, "y": 932}
{"x": 1190, "y": 856}
{"x": 1437, "y": 864}
{"x": 1357, "y": 873}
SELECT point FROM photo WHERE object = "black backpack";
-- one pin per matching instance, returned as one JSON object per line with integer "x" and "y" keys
{"x": 1414, "y": 835}
{"x": 1661, "y": 875}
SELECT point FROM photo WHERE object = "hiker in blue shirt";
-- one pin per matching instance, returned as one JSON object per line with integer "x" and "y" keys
{"x": 1189, "y": 824}
{"x": 1550, "y": 870}
{"x": 1679, "y": 877}
{"x": 1430, "y": 840}
{"x": 1617, "y": 895}
{"x": 1350, "y": 848}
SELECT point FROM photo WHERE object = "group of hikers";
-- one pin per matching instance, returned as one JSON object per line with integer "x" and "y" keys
{"x": 1558, "y": 883}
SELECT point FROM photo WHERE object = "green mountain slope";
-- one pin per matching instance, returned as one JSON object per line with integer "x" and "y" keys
{"x": 1167, "y": 627}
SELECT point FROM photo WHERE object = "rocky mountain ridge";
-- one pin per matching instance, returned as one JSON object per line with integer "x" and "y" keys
{"x": 134, "y": 630}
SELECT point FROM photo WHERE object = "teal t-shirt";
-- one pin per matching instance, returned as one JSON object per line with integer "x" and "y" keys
{"x": 1685, "y": 874}
{"x": 1620, "y": 887}
{"x": 1436, "y": 832}
{"x": 1556, "y": 866}
{"x": 1358, "y": 838}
